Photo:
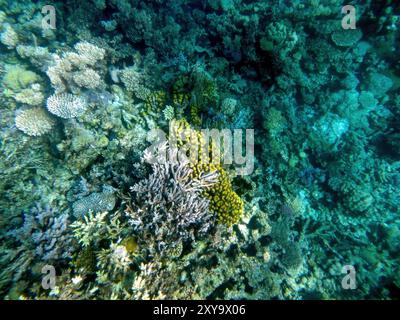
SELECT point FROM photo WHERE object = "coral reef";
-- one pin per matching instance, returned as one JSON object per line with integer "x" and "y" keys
{"x": 108, "y": 173}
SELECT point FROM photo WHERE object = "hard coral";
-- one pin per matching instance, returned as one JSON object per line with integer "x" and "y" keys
{"x": 167, "y": 207}
{"x": 34, "y": 122}
{"x": 224, "y": 201}
{"x": 65, "y": 105}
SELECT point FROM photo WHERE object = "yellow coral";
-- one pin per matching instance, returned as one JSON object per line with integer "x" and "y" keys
{"x": 155, "y": 101}
{"x": 195, "y": 115}
{"x": 224, "y": 201}
{"x": 180, "y": 99}
{"x": 130, "y": 245}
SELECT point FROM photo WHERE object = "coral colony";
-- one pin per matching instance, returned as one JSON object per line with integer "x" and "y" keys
{"x": 199, "y": 149}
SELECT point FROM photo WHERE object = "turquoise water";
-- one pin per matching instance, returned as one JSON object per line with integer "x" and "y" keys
{"x": 223, "y": 149}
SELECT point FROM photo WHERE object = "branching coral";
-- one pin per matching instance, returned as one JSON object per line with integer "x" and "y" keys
{"x": 9, "y": 37}
{"x": 134, "y": 82}
{"x": 32, "y": 96}
{"x": 34, "y": 122}
{"x": 43, "y": 238}
{"x": 167, "y": 206}
{"x": 66, "y": 105}
{"x": 76, "y": 70}
{"x": 89, "y": 230}
{"x": 48, "y": 234}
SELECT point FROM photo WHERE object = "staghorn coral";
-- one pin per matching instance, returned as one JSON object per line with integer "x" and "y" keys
{"x": 167, "y": 206}
{"x": 34, "y": 122}
{"x": 65, "y": 105}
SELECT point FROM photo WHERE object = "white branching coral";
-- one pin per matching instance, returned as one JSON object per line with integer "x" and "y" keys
{"x": 114, "y": 259}
{"x": 168, "y": 208}
{"x": 34, "y": 121}
{"x": 9, "y": 37}
{"x": 94, "y": 228}
{"x": 75, "y": 70}
{"x": 90, "y": 228}
{"x": 65, "y": 105}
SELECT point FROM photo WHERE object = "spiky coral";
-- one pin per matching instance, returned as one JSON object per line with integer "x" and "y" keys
{"x": 167, "y": 207}
{"x": 65, "y": 105}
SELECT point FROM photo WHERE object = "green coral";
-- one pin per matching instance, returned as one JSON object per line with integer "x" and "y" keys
{"x": 17, "y": 78}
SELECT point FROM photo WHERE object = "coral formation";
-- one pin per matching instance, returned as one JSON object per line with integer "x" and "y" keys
{"x": 224, "y": 202}
{"x": 65, "y": 105}
{"x": 75, "y": 70}
{"x": 90, "y": 185}
{"x": 34, "y": 121}
{"x": 169, "y": 202}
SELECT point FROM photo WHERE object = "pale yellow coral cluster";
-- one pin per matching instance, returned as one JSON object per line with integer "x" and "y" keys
{"x": 75, "y": 70}
{"x": 34, "y": 121}
{"x": 31, "y": 96}
{"x": 133, "y": 81}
